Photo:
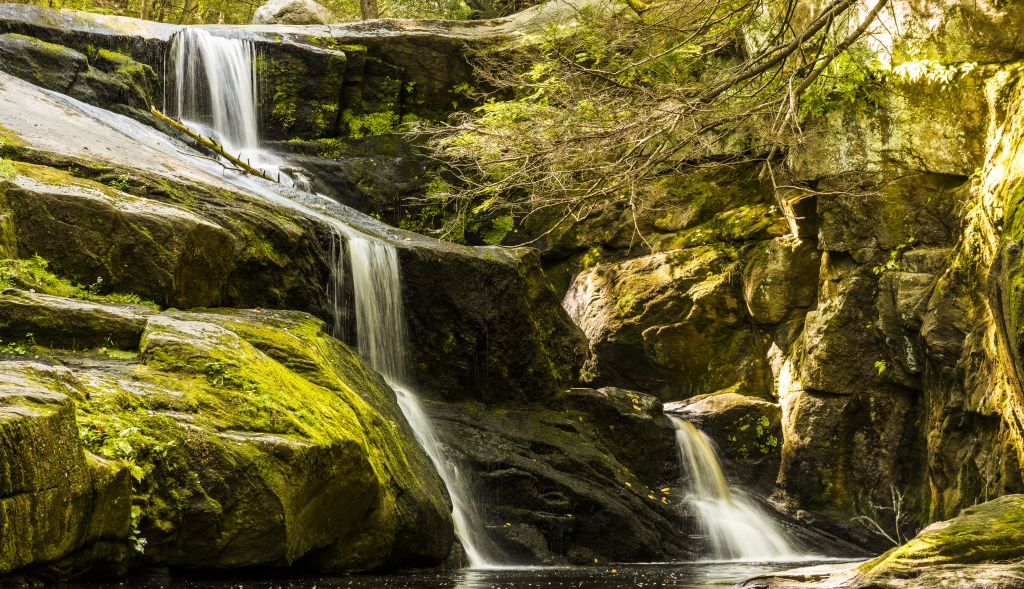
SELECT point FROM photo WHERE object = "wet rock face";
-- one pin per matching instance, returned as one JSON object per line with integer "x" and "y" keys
{"x": 292, "y": 12}
{"x": 551, "y": 480}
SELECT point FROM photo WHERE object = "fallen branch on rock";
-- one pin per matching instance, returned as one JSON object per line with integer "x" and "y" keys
{"x": 210, "y": 144}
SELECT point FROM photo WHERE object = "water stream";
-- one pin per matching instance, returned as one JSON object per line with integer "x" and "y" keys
{"x": 214, "y": 92}
{"x": 733, "y": 528}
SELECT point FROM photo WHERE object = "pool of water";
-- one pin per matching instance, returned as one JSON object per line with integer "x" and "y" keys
{"x": 677, "y": 576}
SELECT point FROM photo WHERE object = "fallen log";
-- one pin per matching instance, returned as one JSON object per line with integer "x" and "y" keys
{"x": 210, "y": 144}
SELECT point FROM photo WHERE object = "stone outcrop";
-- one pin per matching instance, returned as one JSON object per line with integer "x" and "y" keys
{"x": 979, "y": 548}
{"x": 292, "y": 12}
{"x": 252, "y": 438}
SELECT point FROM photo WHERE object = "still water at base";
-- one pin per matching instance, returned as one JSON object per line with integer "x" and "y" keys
{"x": 677, "y": 576}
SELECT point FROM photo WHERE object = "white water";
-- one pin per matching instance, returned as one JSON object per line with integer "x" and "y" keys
{"x": 733, "y": 527}
{"x": 382, "y": 342}
{"x": 215, "y": 91}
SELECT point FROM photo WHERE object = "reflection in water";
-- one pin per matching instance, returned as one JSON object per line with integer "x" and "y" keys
{"x": 676, "y": 576}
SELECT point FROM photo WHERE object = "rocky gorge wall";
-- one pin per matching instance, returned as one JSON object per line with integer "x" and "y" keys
{"x": 872, "y": 314}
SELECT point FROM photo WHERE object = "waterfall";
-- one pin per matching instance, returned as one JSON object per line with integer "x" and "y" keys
{"x": 734, "y": 528}
{"x": 382, "y": 342}
{"x": 215, "y": 90}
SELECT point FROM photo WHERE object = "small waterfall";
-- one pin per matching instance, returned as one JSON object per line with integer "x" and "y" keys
{"x": 382, "y": 342}
{"x": 215, "y": 94}
{"x": 215, "y": 89}
{"x": 735, "y": 528}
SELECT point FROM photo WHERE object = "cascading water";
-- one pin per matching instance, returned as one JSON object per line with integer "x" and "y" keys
{"x": 734, "y": 528}
{"x": 215, "y": 91}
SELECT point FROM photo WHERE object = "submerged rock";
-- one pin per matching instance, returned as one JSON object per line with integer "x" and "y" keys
{"x": 293, "y": 12}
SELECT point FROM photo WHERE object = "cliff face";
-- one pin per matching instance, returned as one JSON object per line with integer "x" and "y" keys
{"x": 882, "y": 316}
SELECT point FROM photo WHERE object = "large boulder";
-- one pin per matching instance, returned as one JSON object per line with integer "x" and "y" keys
{"x": 673, "y": 324}
{"x": 96, "y": 235}
{"x": 253, "y": 437}
{"x": 292, "y": 12}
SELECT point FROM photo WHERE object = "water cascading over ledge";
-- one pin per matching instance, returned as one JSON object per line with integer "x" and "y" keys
{"x": 209, "y": 74}
{"x": 732, "y": 527}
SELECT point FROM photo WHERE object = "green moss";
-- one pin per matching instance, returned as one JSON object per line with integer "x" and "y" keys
{"x": 986, "y": 533}
{"x": 32, "y": 274}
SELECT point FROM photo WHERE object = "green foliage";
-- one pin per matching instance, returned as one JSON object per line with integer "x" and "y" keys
{"x": 893, "y": 263}
{"x": 880, "y": 365}
{"x": 500, "y": 226}
{"x": 853, "y": 79}
{"x": 33, "y": 275}
{"x": 120, "y": 183}
{"x": 7, "y": 169}
{"x": 135, "y": 538}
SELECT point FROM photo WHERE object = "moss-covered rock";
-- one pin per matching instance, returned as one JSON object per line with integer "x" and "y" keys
{"x": 58, "y": 322}
{"x": 252, "y": 438}
{"x": 45, "y": 488}
{"x": 981, "y": 547}
{"x": 101, "y": 77}
{"x": 99, "y": 236}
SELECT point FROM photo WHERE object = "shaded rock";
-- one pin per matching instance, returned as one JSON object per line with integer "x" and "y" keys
{"x": 839, "y": 345}
{"x": 901, "y": 303}
{"x": 485, "y": 324}
{"x": 94, "y": 234}
{"x": 45, "y": 493}
{"x": 841, "y": 454}
{"x": 51, "y": 66}
{"x": 69, "y": 323}
{"x": 911, "y": 210}
{"x": 551, "y": 482}
{"x": 746, "y": 430}
{"x": 292, "y": 12}
{"x": 780, "y": 278}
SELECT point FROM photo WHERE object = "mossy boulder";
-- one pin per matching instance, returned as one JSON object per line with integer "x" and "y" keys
{"x": 45, "y": 490}
{"x": 58, "y": 322}
{"x": 981, "y": 547}
{"x": 100, "y": 77}
{"x": 96, "y": 235}
{"x": 252, "y": 438}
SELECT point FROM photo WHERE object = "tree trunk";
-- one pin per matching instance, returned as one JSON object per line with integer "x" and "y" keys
{"x": 369, "y": 8}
